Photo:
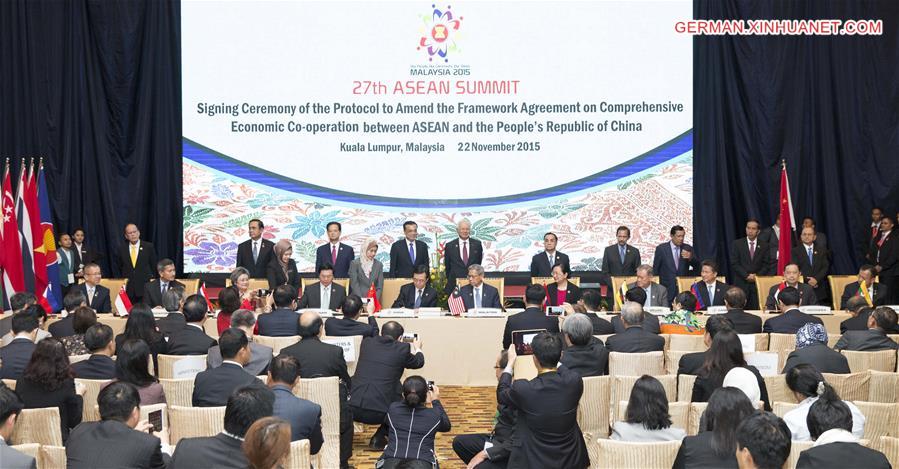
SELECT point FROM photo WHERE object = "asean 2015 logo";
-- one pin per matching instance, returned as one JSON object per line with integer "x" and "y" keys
{"x": 439, "y": 33}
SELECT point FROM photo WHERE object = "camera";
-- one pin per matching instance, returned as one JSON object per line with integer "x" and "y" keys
{"x": 409, "y": 337}
{"x": 263, "y": 292}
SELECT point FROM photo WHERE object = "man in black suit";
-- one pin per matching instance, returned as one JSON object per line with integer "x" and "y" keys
{"x": 876, "y": 291}
{"x": 792, "y": 319}
{"x": 15, "y": 356}
{"x": 478, "y": 294}
{"x": 191, "y": 339}
{"x": 858, "y": 308}
{"x": 691, "y": 363}
{"x": 791, "y": 280}
{"x": 63, "y": 327}
{"x": 870, "y": 233}
{"x": 282, "y": 321}
{"x": 584, "y": 354}
{"x": 763, "y": 441}
{"x": 460, "y": 253}
{"x": 97, "y": 295}
{"x": 84, "y": 254}
{"x": 814, "y": 263}
{"x": 408, "y": 252}
{"x": 711, "y": 291}
{"x": 743, "y": 322}
{"x": 119, "y": 439}
{"x": 154, "y": 289}
{"x": 335, "y": 253}
{"x": 376, "y": 383}
{"x": 592, "y": 302}
{"x": 223, "y": 451}
{"x": 318, "y": 360}
{"x": 471, "y": 448}
{"x": 650, "y": 321}
{"x": 304, "y": 417}
{"x": 771, "y": 237}
{"x": 621, "y": 259}
{"x": 348, "y": 325}
{"x": 100, "y": 365}
{"x": 417, "y": 294}
{"x": 883, "y": 319}
{"x": 884, "y": 255}
{"x": 750, "y": 256}
{"x": 674, "y": 259}
{"x": 324, "y": 294}
{"x": 532, "y": 318}
{"x": 634, "y": 339}
{"x": 213, "y": 386}
{"x": 255, "y": 253}
{"x": 137, "y": 261}
{"x": 542, "y": 263}
{"x": 546, "y": 430}
{"x": 821, "y": 238}
{"x": 830, "y": 425}
{"x": 173, "y": 302}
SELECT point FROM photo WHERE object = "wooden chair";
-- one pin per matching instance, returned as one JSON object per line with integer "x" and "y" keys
{"x": 880, "y": 360}
{"x": 889, "y": 446}
{"x": 685, "y": 387}
{"x": 191, "y": 286}
{"x": 324, "y": 392}
{"x": 89, "y": 413}
{"x": 496, "y": 282}
{"x": 114, "y": 285}
{"x": 39, "y": 426}
{"x": 880, "y": 419}
{"x": 624, "y": 454}
{"x": 686, "y": 283}
{"x": 764, "y": 283}
{"x": 851, "y": 387}
{"x": 299, "y": 456}
{"x": 761, "y": 341}
{"x": 622, "y": 386}
{"x": 778, "y": 342}
{"x": 276, "y": 343}
{"x": 685, "y": 342}
{"x": 351, "y": 361}
{"x": 167, "y": 363}
{"x": 305, "y": 282}
{"x": 616, "y": 286}
{"x": 884, "y": 387}
{"x": 636, "y": 364}
{"x": 191, "y": 422}
{"x": 178, "y": 392}
{"x": 576, "y": 281}
{"x": 391, "y": 290}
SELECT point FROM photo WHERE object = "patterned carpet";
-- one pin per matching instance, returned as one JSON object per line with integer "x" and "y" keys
{"x": 470, "y": 410}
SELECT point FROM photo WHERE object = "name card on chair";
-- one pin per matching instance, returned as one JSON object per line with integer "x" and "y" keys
{"x": 397, "y": 313}
{"x": 748, "y": 342}
{"x": 484, "y": 313}
{"x": 346, "y": 343}
{"x": 766, "y": 362}
{"x": 658, "y": 310}
{"x": 815, "y": 309}
{"x": 188, "y": 367}
{"x": 716, "y": 310}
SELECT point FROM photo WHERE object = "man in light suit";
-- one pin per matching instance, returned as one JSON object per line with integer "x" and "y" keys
{"x": 543, "y": 262}
{"x": 10, "y": 408}
{"x": 417, "y": 294}
{"x": 408, "y": 252}
{"x": 674, "y": 259}
{"x": 656, "y": 295}
{"x": 621, "y": 259}
{"x": 814, "y": 263}
{"x": 478, "y": 294}
{"x": 255, "y": 253}
{"x": 260, "y": 355}
{"x": 97, "y": 295}
{"x": 335, "y": 253}
{"x": 154, "y": 289}
{"x": 461, "y": 253}
{"x": 711, "y": 291}
{"x": 282, "y": 321}
{"x": 750, "y": 256}
{"x": 324, "y": 293}
{"x": 877, "y": 291}
{"x": 137, "y": 263}
{"x": 883, "y": 319}
{"x": 791, "y": 279}
{"x": 304, "y": 417}
{"x": 213, "y": 386}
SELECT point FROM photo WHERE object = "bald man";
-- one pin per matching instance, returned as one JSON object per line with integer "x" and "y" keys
{"x": 460, "y": 253}
{"x": 137, "y": 263}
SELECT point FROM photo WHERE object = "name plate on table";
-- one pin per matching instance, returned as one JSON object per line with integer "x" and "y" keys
{"x": 430, "y": 312}
{"x": 325, "y": 313}
{"x": 346, "y": 343}
{"x": 766, "y": 362}
{"x": 716, "y": 310}
{"x": 396, "y": 313}
{"x": 658, "y": 310}
{"x": 815, "y": 309}
{"x": 484, "y": 313}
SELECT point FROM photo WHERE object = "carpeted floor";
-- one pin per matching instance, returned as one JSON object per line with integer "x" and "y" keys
{"x": 470, "y": 410}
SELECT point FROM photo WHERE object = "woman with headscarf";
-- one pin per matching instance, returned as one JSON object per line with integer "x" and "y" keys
{"x": 366, "y": 270}
{"x": 812, "y": 349}
{"x": 282, "y": 269}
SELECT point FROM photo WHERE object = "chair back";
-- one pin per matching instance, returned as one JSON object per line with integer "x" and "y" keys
{"x": 324, "y": 392}
{"x": 696, "y": 411}
{"x": 191, "y": 422}
{"x": 178, "y": 392}
{"x": 837, "y": 285}
{"x": 781, "y": 408}
{"x": 39, "y": 426}
{"x": 52, "y": 457}
{"x": 687, "y": 342}
{"x": 889, "y": 446}
{"x": 622, "y": 386}
{"x": 114, "y": 285}
{"x": 92, "y": 387}
{"x": 616, "y": 286}
{"x": 276, "y": 343}
{"x": 576, "y": 281}
{"x": 761, "y": 341}
{"x": 763, "y": 284}
{"x": 390, "y": 291}
{"x": 777, "y": 389}
{"x": 672, "y": 360}
{"x": 167, "y": 365}
{"x": 850, "y": 387}
{"x": 884, "y": 387}
{"x": 685, "y": 387}
{"x": 636, "y": 364}
{"x": 592, "y": 411}
{"x": 10, "y": 383}
{"x": 304, "y": 282}
{"x": 880, "y": 419}
{"x": 191, "y": 286}
{"x": 796, "y": 448}
{"x": 781, "y": 342}
{"x": 614, "y": 454}
{"x": 880, "y": 360}
{"x": 299, "y": 456}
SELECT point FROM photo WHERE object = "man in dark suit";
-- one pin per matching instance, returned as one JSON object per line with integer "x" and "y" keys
{"x": 137, "y": 261}
{"x": 15, "y": 356}
{"x": 542, "y": 263}
{"x": 883, "y": 319}
{"x": 743, "y": 322}
{"x": 814, "y": 263}
{"x": 532, "y": 318}
{"x": 63, "y": 327}
{"x": 191, "y": 339}
{"x": 304, "y": 417}
{"x": 592, "y": 301}
{"x": 10, "y": 408}
{"x": 255, "y": 253}
{"x": 546, "y": 431}
{"x": 84, "y": 254}
{"x": 408, "y": 252}
{"x": 460, "y": 253}
{"x": 691, "y": 363}
{"x": 349, "y": 325}
{"x": 173, "y": 302}
{"x": 792, "y": 319}
{"x": 621, "y": 259}
{"x": 223, "y": 451}
{"x": 634, "y": 339}
{"x": 858, "y": 308}
{"x": 791, "y": 279}
{"x": 674, "y": 259}
{"x": 260, "y": 355}
{"x": 884, "y": 255}
{"x": 318, "y": 360}
{"x": 335, "y": 253}
{"x": 711, "y": 291}
{"x": 97, "y": 295}
{"x": 376, "y": 383}
{"x": 324, "y": 294}
{"x": 870, "y": 233}
{"x": 100, "y": 365}
{"x": 154, "y": 289}
{"x": 478, "y": 294}
{"x": 821, "y": 238}
{"x": 417, "y": 294}
{"x": 282, "y": 321}
{"x": 876, "y": 291}
{"x": 638, "y": 295}
{"x": 213, "y": 386}
{"x": 750, "y": 256}
{"x": 118, "y": 439}
{"x": 584, "y": 354}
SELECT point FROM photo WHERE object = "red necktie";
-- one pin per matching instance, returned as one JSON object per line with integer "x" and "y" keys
{"x": 333, "y": 254}
{"x": 465, "y": 252}
{"x": 882, "y": 239}
{"x": 873, "y": 232}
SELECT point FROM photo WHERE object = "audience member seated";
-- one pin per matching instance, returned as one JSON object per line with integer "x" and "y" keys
{"x": 830, "y": 425}
{"x": 282, "y": 321}
{"x": 717, "y": 438}
{"x": 472, "y": 448}
{"x": 41, "y": 315}
{"x": 744, "y": 323}
{"x": 792, "y": 318}
{"x": 875, "y": 338}
{"x": 710, "y": 290}
{"x": 634, "y": 339}
{"x": 478, "y": 294}
{"x": 132, "y": 367}
{"x": 223, "y": 451}
{"x": 119, "y": 439}
{"x": 100, "y": 364}
{"x": 229, "y": 302}
{"x": 683, "y": 313}
{"x": 84, "y": 318}
{"x": 240, "y": 283}
{"x": 418, "y": 292}
{"x": 593, "y": 302}
{"x": 14, "y": 357}
{"x": 213, "y": 386}
{"x": 806, "y": 293}
{"x": 858, "y": 308}
{"x": 191, "y": 338}
{"x": 47, "y": 382}
{"x": 562, "y": 291}
{"x": 691, "y": 363}
{"x": 18, "y": 302}
{"x": 812, "y": 349}
{"x": 532, "y": 318}
{"x": 546, "y": 431}
{"x": 725, "y": 353}
{"x": 646, "y": 419}
{"x": 141, "y": 325}
{"x": 877, "y": 291}
{"x": 10, "y": 408}
{"x": 304, "y": 417}
{"x": 584, "y": 354}
{"x": 260, "y": 355}
{"x": 173, "y": 302}
{"x": 267, "y": 444}
{"x": 744, "y": 380}
{"x": 154, "y": 289}
{"x": 650, "y": 321}
{"x": 414, "y": 427}
{"x": 324, "y": 294}
{"x": 808, "y": 386}
{"x": 763, "y": 442}
{"x": 97, "y": 295}
{"x": 348, "y": 324}
{"x": 63, "y": 327}
{"x": 376, "y": 383}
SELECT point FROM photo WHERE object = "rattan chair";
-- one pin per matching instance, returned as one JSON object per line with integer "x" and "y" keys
{"x": 624, "y": 454}
{"x": 636, "y": 364}
{"x": 191, "y": 422}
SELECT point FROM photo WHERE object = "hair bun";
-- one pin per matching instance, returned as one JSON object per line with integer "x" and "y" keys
{"x": 821, "y": 388}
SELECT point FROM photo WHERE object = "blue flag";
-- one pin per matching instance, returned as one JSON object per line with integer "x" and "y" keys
{"x": 54, "y": 290}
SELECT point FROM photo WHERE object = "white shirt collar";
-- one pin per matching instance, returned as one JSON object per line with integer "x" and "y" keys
{"x": 809, "y": 246}
{"x": 232, "y": 362}
{"x": 336, "y": 245}
{"x": 835, "y": 435}
{"x": 198, "y": 326}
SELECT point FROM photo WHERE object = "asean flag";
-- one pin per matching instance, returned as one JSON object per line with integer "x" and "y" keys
{"x": 46, "y": 245}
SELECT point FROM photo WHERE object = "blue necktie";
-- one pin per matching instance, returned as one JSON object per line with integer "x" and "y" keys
{"x": 417, "y": 299}
{"x": 412, "y": 253}
{"x": 621, "y": 252}
{"x": 810, "y": 256}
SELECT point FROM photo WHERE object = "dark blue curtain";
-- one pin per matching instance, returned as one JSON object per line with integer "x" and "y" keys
{"x": 94, "y": 86}
{"x": 828, "y": 105}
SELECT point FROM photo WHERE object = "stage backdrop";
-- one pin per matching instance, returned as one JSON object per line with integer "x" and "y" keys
{"x": 524, "y": 117}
